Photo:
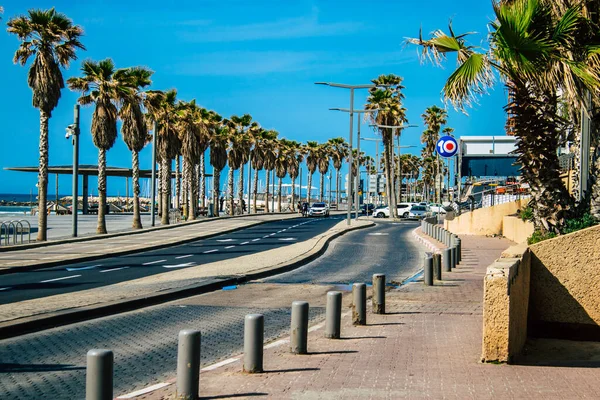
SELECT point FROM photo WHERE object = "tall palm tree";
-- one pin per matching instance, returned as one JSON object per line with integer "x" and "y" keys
{"x": 323, "y": 165}
{"x": 339, "y": 153}
{"x": 386, "y": 97}
{"x": 135, "y": 132}
{"x": 434, "y": 118}
{"x": 281, "y": 166}
{"x": 219, "y": 139}
{"x": 52, "y": 39}
{"x": 295, "y": 157}
{"x": 269, "y": 157}
{"x": 240, "y": 144}
{"x": 312, "y": 162}
{"x": 537, "y": 51}
{"x": 106, "y": 88}
{"x": 257, "y": 161}
{"x": 207, "y": 119}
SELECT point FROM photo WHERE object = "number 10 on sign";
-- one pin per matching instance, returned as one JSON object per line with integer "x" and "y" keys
{"x": 447, "y": 146}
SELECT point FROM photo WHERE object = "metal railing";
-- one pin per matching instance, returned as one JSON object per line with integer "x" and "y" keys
{"x": 15, "y": 230}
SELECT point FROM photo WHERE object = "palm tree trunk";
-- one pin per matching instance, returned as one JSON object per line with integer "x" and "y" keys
{"x": 197, "y": 200}
{"x": 389, "y": 178}
{"x": 293, "y": 207}
{"x": 267, "y": 173}
{"x": 230, "y": 191}
{"x": 43, "y": 178}
{"x": 241, "y": 187}
{"x": 192, "y": 192}
{"x": 321, "y": 189}
{"x": 159, "y": 187}
{"x": 166, "y": 191}
{"x": 184, "y": 187}
{"x": 202, "y": 181}
{"x": 177, "y": 182}
{"x": 255, "y": 190}
{"x": 101, "y": 228}
{"x": 216, "y": 186}
{"x": 337, "y": 187}
{"x": 279, "y": 195}
{"x": 310, "y": 174}
{"x": 135, "y": 172}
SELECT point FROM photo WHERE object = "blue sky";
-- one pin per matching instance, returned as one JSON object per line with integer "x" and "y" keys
{"x": 259, "y": 57}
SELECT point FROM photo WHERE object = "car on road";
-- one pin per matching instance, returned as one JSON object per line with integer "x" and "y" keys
{"x": 384, "y": 212}
{"x": 319, "y": 210}
{"x": 418, "y": 211}
{"x": 367, "y": 209}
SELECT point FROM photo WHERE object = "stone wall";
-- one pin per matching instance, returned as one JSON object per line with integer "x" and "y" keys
{"x": 505, "y": 299}
{"x": 484, "y": 221}
{"x": 515, "y": 229}
{"x": 565, "y": 286}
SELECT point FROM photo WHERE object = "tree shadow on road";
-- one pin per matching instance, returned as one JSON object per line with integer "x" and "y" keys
{"x": 7, "y": 367}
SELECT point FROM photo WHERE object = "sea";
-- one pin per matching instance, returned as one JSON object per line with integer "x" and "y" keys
{"x": 7, "y": 210}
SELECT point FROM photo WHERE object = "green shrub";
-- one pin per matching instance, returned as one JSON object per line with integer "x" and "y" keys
{"x": 526, "y": 214}
{"x": 576, "y": 224}
{"x": 538, "y": 236}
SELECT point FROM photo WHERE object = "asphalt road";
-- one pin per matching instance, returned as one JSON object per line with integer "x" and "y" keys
{"x": 81, "y": 276}
{"x": 51, "y": 364}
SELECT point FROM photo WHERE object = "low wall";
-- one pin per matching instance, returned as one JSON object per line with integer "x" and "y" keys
{"x": 565, "y": 286}
{"x": 484, "y": 221}
{"x": 515, "y": 229}
{"x": 505, "y": 305}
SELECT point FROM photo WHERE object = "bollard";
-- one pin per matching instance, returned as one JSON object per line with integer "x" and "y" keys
{"x": 423, "y": 227}
{"x": 299, "y": 327}
{"x": 378, "y": 294}
{"x": 188, "y": 364}
{"x": 428, "y": 270}
{"x": 453, "y": 251}
{"x": 435, "y": 232}
{"x": 437, "y": 266}
{"x": 447, "y": 260}
{"x": 359, "y": 304}
{"x": 99, "y": 375}
{"x": 333, "y": 315}
{"x": 254, "y": 331}
{"x": 458, "y": 249}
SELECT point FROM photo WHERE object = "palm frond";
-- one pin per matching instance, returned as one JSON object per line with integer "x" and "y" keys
{"x": 468, "y": 81}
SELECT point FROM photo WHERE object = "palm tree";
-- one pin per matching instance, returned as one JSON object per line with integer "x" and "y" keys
{"x": 256, "y": 161}
{"x": 135, "y": 132}
{"x": 386, "y": 97}
{"x": 339, "y": 153}
{"x": 295, "y": 157}
{"x": 434, "y": 117}
{"x": 106, "y": 87}
{"x": 207, "y": 119}
{"x": 240, "y": 144}
{"x": 269, "y": 154}
{"x": 312, "y": 161}
{"x": 219, "y": 139}
{"x": 323, "y": 165}
{"x": 52, "y": 39}
{"x": 537, "y": 51}
{"x": 281, "y": 166}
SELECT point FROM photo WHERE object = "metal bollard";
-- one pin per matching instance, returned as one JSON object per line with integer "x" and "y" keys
{"x": 299, "y": 328}
{"x": 188, "y": 364}
{"x": 378, "y": 294}
{"x": 447, "y": 260}
{"x": 333, "y": 315}
{"x": 428, "y": 270}
{"x": 359, "y": 304}
{"x": 453, "y": 251}
{"x": 99, "y": 375}
{"x": 458, "y": 249}
{"x": 437, "y": 266}
{"x": 435, "y": 232}
{"x": 254, "y": 331}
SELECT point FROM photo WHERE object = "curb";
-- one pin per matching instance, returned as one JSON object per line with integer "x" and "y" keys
{"x": 67, "y": 317}
{"x": 425, "y": 242}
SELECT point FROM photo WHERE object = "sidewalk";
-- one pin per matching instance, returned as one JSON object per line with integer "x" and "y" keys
{"x": 428, "y": 345}
{"x": 91, "y": 248}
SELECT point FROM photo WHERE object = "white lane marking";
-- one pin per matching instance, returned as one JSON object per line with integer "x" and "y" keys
{"x": 5, "y": 288}
{"x": 244, "y": 243}
{"x": 255, "y": 240}
{"x": 210, "y": 251}
{"x": 377, "y": 234}
{"x": 190, "y": 264}
{"x": 230, "y": 247}
{"x": 266, "y": 236}
{"x": 283, "y": 230}
{"x": 82, "y": 268}
{"x": 154, "y": 262}
{"x": 113, "y": 269}
{"x": 144, "y": 391}
{"x": 186, "y": 256}
{"x": 287, "y": 239}
{"x": 226, "y": 240}
{"x": 60, "y": 279}
{"x": 272, "y": 234}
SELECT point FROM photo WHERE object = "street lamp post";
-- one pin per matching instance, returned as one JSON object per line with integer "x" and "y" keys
{"x": 351, "y": 112}
{"x": 73, "y": 130}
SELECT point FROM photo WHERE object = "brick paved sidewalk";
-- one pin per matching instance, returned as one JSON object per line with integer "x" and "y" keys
{"x": 427, "y": 346}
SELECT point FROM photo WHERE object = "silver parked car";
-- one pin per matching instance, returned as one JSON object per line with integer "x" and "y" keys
{"x": 319, "y": 210}
{"x": 419, "y": 211}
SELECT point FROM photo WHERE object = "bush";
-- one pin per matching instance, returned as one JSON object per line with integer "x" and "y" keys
{"x": 538, "y": 236}
{"x": 576, "y": 224}
{"x": 526, "y": 214}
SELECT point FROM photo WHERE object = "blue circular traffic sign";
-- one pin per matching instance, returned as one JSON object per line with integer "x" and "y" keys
{"x": 446, "y": 146}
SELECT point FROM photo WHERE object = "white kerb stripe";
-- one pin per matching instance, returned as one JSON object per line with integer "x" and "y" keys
{"x": 144, "y": 391}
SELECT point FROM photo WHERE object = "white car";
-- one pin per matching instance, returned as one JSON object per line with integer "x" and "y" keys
{"x": 384, "y": 212}
{"x": 419, "y": 211}
{"x": 319, "y": 210}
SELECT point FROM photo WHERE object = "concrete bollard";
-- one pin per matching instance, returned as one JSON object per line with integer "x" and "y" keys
{"x": 458, "y": 245}
{"x": 453, "y": 251}
{"x": 437, "y": 266}
{"x": 436, "y": 233}
{"x": 359, "y": 304}
{"x": 333, "y": 315}
{"x": 299, "y": 328}
{"x": 99, "y": 375}
{"x": 378, "y": 294}
{"x": 428, "y": 270}
{"x": 447, "y": 260}
{"x": 254, "y": 331}
{"x": 188, "y": 364}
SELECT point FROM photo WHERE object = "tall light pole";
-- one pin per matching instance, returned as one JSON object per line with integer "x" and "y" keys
{"x": 351, "y": 112}
{"x": 73, "y": 130}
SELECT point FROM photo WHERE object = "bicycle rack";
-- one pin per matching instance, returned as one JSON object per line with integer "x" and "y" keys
{"x": 4, "y": 227}
{"x": 17, "y": 229}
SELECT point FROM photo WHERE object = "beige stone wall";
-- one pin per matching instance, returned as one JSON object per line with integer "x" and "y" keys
{"x": 565, "y": 279}
{"x": 484, "y": 221}
{"x": 505, "y": 306}
{"x": 515, "y": 229}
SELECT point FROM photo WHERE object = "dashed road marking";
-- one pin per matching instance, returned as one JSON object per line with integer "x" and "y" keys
{"x": 244, "y": 243}
{"x": 210, "y": 251}
{"x": 186, "y": 256}
{"x": 255, "y": 240}
{"x": 82, "y": 268}
{"x": 5, "y": 288}
{"x": 154, "y": 262}
{"x": 190, "y": 264}
{"x": 226, "y": 240}
{"x": 60, "y": 279}
{"x": 113, "y": 269}
{"x": 229, "y": 247}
